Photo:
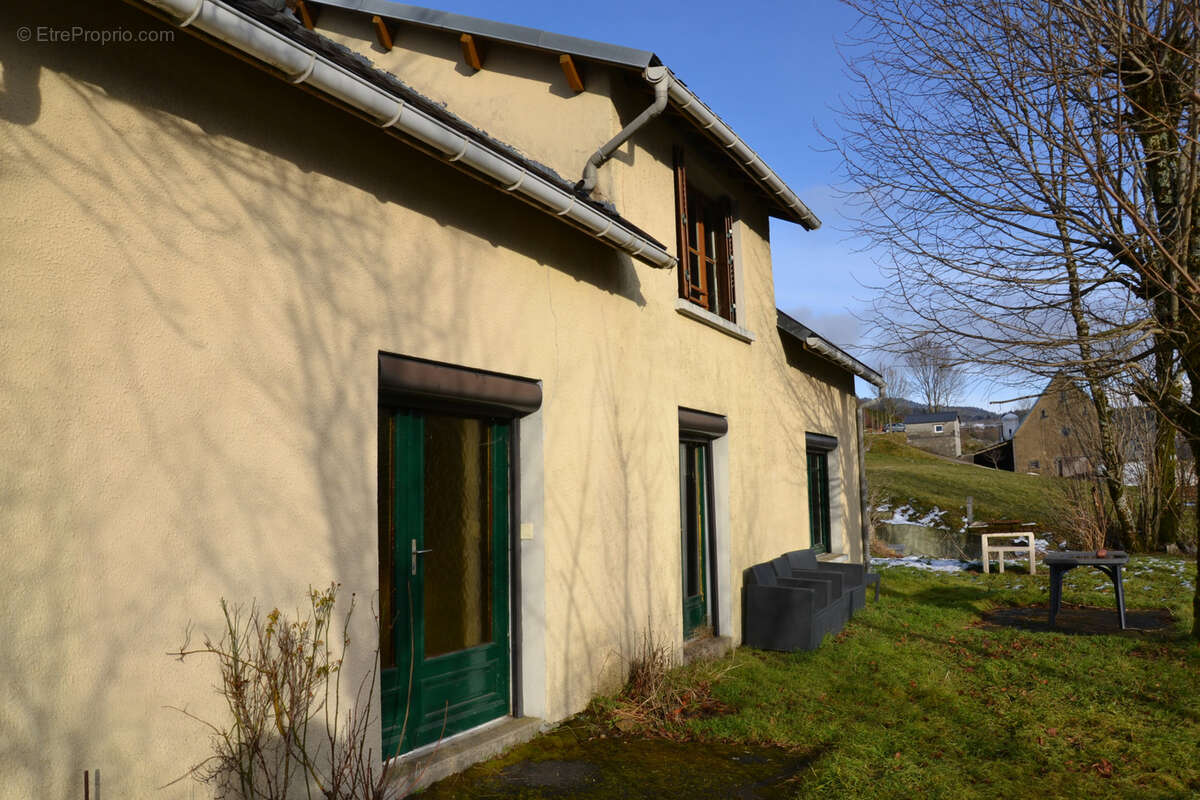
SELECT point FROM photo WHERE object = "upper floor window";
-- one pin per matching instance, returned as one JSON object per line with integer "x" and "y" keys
{"x": 939, "y": 428}
{"x": 705, "y": 239}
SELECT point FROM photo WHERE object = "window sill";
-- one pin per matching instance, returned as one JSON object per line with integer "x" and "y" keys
{"x": 693, "y": 311}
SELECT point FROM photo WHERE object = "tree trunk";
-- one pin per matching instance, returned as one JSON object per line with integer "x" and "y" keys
{"x": 1114, "y": 478}
{"x": 1166, "y": 480}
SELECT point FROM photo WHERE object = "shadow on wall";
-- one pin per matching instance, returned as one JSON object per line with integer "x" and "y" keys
{"x": 612, "y": 586}
{"x": 832, "y": 389}
{"x": 179, "y": 422}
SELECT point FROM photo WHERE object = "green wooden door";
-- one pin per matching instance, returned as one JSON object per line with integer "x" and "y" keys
{"x": 694, "y": 516}
{"x": 444, "y": 577}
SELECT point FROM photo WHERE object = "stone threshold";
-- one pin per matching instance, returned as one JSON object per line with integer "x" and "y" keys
{"x": 427, "y": 765}
{"x": 706, "y": 648}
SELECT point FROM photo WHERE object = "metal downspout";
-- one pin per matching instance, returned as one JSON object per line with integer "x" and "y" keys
{"x": 660, "y": 79}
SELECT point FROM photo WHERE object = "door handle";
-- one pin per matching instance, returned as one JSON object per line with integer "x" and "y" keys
{"x": 415, "y": 553}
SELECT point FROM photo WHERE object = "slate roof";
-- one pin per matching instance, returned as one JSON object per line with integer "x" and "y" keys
{"x": 941, "y": 416}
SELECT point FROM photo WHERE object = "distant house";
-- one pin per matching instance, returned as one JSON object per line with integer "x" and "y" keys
{"x": 937, "y": 433}
{"x": 1008, "y": 426}
{"x": 1060, "y": 435}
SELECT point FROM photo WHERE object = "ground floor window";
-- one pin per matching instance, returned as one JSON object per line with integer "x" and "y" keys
{"x": 818, "y": 500}
{"x": 695, "y": 497}
{"x": 820, "y": 524}
{"x": 698, "y": 569}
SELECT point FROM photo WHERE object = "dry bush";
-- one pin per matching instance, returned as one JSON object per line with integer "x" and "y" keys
{"x": 881, "y": 550}
{"x": 877, "y": 498}
{"x": 660, "y": 694}
{"x": 1082, "y": 517}
{"x": 288, "y": 736}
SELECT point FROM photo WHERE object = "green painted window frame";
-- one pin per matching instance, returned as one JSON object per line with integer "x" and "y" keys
{"x": 819, "y": 517}
{"x": 696, "y": 460}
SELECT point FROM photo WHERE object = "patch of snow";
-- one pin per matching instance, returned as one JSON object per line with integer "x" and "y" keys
{"x": 1134, "y": 473}
{"x": 904, "y": 516}
{"x": 934, "y": 517}
{"x": 927, "y": 563}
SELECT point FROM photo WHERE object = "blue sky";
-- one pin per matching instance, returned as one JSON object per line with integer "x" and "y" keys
{"x": 773, "y": 72}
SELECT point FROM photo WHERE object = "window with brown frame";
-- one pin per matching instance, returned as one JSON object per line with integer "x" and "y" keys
{"x": 705, "y": 234}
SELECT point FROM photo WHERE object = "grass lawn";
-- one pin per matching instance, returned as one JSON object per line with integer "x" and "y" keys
{"x": 908, "y": 476}
{"x": 918, "y": 698}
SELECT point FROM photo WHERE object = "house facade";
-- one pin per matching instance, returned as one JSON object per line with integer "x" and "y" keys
{"x": 1060, "y": 435}
{"x": 939, "y": 433}
{"x": 318, "y": 304}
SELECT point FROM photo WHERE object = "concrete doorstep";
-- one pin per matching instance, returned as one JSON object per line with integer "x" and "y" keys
{"x": 706, "y": 648}
{"x": 427, "y": 765}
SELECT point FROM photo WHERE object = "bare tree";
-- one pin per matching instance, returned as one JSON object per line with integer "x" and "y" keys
{"x": 935, "y": 376}
{"x": 1031, "y": 166}
{"x": 887, "y": 402}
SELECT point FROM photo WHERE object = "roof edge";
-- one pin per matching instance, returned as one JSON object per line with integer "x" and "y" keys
{"x": 751, "y": 162}
{"x": 787, "y": 205}
{"x": 500, "y": 31}
{"x": 278, "y": 42}
{"x": 827, "y": 349}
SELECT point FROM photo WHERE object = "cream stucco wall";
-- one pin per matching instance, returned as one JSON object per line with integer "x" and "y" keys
{"x": 198, "y": 267}
{"x": 1041, "y": 439}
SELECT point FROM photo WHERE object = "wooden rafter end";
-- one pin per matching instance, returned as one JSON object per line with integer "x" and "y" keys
{"x": 383, "y": 33}
{"x": 472, "y": 52}
{"x": 574, "y": 79}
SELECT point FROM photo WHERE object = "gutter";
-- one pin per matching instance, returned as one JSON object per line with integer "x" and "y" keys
{"x": 704, "y": 118}
{"x": 304, "y": 65}
{"x": 837, "y": 356}
{"x": 827, "y": 350}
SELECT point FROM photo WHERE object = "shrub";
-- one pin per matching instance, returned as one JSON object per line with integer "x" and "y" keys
{"x": 287, "y": 735}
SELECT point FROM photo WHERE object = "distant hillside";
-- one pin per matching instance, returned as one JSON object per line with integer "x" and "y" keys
{"x": 907, "y": 476}
{"x": 905, "y": 407}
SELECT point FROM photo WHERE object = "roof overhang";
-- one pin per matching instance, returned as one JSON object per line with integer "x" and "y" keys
{"x": 827, "y": 350}
{"x": 782, "y": 201}
{"x": 276, "y": 41}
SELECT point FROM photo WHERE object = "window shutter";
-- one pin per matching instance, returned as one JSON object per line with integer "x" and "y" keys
{"x": 681, "y": 221}
{"x": 727, "y": 213}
